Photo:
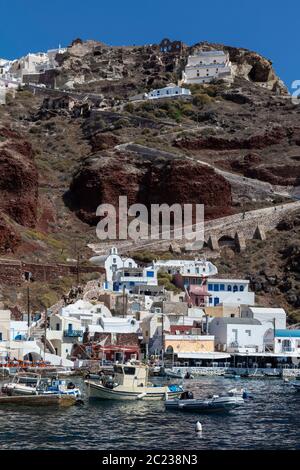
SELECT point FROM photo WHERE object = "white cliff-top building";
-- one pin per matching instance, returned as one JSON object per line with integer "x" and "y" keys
{"x": 32, "y": 63}
{"x": 205, "y": 66}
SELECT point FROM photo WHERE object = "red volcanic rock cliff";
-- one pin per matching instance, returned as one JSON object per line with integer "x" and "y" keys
{"x": 18, "y": 187}
{"x": 258, "y": 141}
{"x": 102, "y": 179}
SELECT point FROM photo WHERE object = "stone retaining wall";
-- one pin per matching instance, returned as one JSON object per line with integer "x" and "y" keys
{"x": 12, "y": 271}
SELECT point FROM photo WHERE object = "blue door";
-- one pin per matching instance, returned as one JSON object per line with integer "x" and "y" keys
{"x": 216, "y": 301}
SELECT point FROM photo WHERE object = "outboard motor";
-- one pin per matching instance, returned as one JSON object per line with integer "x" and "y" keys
{"x": 187, "y": 395}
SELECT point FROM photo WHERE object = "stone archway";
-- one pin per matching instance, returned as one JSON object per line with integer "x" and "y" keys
{"x": 227, "y": 241}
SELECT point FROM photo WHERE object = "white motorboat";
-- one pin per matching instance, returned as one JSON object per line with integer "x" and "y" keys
{"x": 22, "y": 384}
{"x": 130, "y": 382}
{"x": 239, "y": 392}
{"x": 162, "y": 372}
{"x": 28, "y": 383}
{"x": 296, "y": 385}
{"x": 216, "y": 403}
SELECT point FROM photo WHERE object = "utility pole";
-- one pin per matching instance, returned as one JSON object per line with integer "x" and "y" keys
{"x": 77, "y": 269}
{"x": 28, "y": 306}
{"x": 123, "y": 297}
{"x": 45, "y": 332}
{"x": 123, "y": 300}
{"x": 77, "y": 263}
{"x": 163, "y": 341}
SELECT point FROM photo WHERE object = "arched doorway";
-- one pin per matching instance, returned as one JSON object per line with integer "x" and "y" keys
{"x": 32, "y": 357}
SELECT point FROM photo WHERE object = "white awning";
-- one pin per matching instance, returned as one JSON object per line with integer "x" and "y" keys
{"x": 204, "y": 355}
{"x": 265, "y": 354}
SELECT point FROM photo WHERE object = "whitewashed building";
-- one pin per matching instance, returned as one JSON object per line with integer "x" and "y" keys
{"x": 287, "y": 341}
{"x": 169, "y": 91}
{"x": 274, "y": 317}
{"x": 229, "y": 292}
{"x": 205, "y": 66}
{"x": 30, "y": 350}
{"x": 63, "y": 332}
{"x": 151, "y": 328}
{"x": 238, "y": 334}
{"x": 197, "y": 267}
{"x": 83, "y": 309}
{"x": 5, "y": 67}
{"x": 30, "y": 64}
{"x": 130, "y": 278}
{"x": 52, "y": 55}
{"x": 112, "y": 262}
{"x": 119, "y": 325}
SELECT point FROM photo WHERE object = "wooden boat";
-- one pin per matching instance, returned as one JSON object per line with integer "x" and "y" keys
{"x": 38, "y": 400}
{"x": 130, "y": 382}
{"x": 28, "y": 383}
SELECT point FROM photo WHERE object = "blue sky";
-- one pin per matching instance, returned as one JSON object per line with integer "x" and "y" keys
{"x": 267, "y": 27}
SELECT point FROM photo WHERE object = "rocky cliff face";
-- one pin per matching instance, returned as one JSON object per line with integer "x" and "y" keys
{"x": 242, "y": 127}
{"x": 103, "y": 178}
{"x": 18, "y": 187}
{"x": 131, "y": 69}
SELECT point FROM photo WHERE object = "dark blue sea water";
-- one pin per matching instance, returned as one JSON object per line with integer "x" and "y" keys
{"x": 270, "y": 421}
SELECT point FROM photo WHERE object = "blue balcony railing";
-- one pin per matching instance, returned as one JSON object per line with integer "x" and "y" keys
{"x": 72, "y": 333}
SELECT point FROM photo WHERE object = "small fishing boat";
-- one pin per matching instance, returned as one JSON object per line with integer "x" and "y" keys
{"x": 130, "y": 382}
{"x": 216, "y": 403}
{"x": 28, "y": 383}
{"x": 160, "y": 371}
{"x": 231, "y": 374}
{"x": 253, "y": 375}
{"x": 296, "y": 385}
{"x": 273, "y": 375}
{"x": 38, "y": 400}
{"x": 239, "y": 392}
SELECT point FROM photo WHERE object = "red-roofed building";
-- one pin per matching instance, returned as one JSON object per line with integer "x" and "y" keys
{"x": 110, "y": 346}
{"x": 197, "y": 295}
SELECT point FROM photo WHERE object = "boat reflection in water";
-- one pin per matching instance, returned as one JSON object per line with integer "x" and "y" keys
{"x": 130, "y": 382}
